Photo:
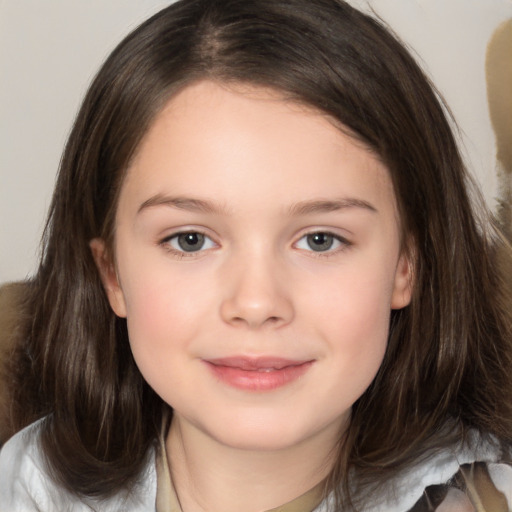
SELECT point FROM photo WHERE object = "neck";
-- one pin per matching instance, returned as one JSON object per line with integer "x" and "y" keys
{"x": 210, "y": 476}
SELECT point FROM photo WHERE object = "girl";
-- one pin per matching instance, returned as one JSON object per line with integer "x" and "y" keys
{"x": 263, "y": 284}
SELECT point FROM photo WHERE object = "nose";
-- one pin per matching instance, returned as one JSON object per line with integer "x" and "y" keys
{"x": 256, "y": 295}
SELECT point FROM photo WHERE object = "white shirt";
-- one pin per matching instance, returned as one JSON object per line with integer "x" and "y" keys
{"x": 25, "y": 484}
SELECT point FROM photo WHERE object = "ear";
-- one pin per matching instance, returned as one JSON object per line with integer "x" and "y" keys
{"x": 402, "y": 289}
{"x": 108, "y": 275}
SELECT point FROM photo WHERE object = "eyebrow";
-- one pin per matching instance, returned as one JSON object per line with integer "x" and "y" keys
{"x": 182, "y": 203}
{"x": 301, "y": 208}
{"x": 323, "y": 206}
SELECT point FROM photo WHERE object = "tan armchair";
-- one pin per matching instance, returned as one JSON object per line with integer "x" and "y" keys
{"x": 11, "y": 295}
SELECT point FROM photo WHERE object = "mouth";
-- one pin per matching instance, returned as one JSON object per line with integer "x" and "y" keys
{"x": 257, "y": 374}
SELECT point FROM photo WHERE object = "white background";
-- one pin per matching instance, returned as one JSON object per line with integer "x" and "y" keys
{"x": 49, "y": 51}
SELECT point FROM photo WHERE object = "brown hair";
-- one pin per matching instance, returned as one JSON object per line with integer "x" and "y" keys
{"x": 449, "y": 356}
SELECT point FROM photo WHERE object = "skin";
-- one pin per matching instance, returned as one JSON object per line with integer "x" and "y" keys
{"x": 268, "y": 173}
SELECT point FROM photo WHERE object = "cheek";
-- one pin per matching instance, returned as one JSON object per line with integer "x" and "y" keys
{"x": 352, "y": 301}
{"x": 163, "y": 318}
{"x": 352, "y": 317}
{"x": 159, "y": 299}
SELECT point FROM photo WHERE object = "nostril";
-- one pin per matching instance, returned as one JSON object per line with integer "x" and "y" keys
{"x": 256, "y": 311}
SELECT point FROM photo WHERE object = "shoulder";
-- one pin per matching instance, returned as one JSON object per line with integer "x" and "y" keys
{"x": 26, "y": 484}
{"x": 477, "y": 471}
{"x": 23, "y": 485}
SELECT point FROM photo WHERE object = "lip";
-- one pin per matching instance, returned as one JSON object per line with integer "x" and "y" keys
{"x": 257, "y": 373}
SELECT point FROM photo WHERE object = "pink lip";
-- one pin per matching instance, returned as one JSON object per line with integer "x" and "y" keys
{"x": 257, "y": 374}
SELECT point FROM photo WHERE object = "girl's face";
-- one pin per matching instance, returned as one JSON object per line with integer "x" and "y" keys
{"x": 257, "y": 261}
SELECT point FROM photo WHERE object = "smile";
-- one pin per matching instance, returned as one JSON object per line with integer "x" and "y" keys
{"x": 257, "y": 374}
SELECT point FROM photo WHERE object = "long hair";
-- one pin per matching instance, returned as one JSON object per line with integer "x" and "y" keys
{"x": 448, "y": 360}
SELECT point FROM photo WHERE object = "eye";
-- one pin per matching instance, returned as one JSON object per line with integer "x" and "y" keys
{"x": 189, "y": 242}
{"x": 321, "y": 242}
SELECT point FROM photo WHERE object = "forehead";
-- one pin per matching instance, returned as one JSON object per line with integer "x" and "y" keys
{"x": 244, "y": 145}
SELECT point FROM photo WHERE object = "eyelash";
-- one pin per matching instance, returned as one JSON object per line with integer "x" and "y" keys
{"x": 344, "y": 244}
{"x": 166, "y": 243}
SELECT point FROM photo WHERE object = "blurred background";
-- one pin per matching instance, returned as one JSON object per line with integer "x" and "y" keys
{"x": 49, "y": 52}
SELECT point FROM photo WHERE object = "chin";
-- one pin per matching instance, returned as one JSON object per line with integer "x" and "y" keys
{"x": 260, "y": 441}
{"x": 263, "y": 434}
